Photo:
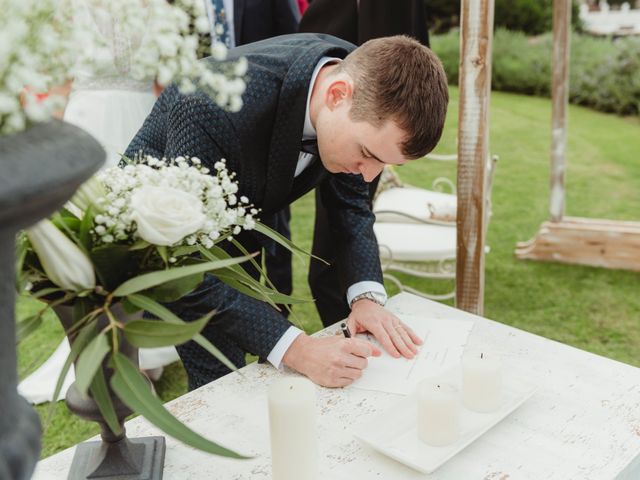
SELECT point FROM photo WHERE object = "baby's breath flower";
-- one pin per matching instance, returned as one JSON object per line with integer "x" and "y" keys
{"x": 221, "y": 212}
{"x": 45, "y": 42}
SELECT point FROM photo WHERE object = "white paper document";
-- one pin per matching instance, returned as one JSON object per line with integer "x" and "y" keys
{"x": 444, "y": 340}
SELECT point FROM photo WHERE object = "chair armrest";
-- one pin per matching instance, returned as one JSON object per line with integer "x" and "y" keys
{"x": 416, "y": 219}
{"x": 442, "y": 158}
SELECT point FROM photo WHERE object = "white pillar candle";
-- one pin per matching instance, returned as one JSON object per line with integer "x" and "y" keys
{"x": 438, "y": 413}
{"x": 481, "y": 382}
{"x": 292, "y": 421}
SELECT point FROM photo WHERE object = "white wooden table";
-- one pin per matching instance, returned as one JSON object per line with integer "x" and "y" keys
{"x": 583, "y": 422}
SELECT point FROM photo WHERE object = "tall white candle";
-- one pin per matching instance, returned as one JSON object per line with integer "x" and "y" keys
{"x": 292, "y": 421}
{"x": 481, "y": 382}
{"x": 438, "y": 413}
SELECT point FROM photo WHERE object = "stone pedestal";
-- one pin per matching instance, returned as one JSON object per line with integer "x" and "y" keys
{"x": 39, "y": 170}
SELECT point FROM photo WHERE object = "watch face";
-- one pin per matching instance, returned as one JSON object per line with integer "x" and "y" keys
{"x": 376, "y": 297}
{"x": 379, "y": 298}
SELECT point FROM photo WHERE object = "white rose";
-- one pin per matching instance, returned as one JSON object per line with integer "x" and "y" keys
{"x": 166, "y": 215}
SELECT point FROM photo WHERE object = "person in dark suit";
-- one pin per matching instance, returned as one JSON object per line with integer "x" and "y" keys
{"x": 356, "y": 21}
{"x": 238, "y": 22}
{"x": 383, "y": 103}
{"x": 247, "y": 21}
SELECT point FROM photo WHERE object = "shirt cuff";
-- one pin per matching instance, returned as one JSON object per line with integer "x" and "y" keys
{"x": 278, "y": 351}
{"x": 362, "y": 287}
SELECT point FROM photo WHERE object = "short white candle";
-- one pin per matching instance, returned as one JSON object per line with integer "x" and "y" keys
{"x": 481, "y": 382}
{"x": 292, "y": 421}
{"x": 438, "y": 413}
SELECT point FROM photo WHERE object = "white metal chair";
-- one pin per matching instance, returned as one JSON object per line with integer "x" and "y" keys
{"x": 416, "y": 228}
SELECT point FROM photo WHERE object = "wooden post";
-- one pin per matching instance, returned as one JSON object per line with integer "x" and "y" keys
{"x": 582, "y": 241}
{"x": 560, "y": 99}
{"x": 476, "y": 22}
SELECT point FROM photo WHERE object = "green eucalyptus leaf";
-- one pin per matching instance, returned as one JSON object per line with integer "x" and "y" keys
{"x": 128, "y": 307}
{"x": 112, "y": 264}
{"x": 263, "y": 269}
{"x": 156, "y": 333}
{"x": 153, "y": 279}
{"x": 78, "y": 345}
{"x": 26, "y": 327}
{"x": 234, "y": 282}
{"x": 90, "y": 361}
{"x": 84, "y": 234}
{"x": 139, "y": 245}
{"x": 235, "y": 275}
{"x": 46, "y": 291}
{"x": 133, "y": 390}
{"x": 65, "y": 224}
{"x": 165, "y": 314}
{"x": 216, "y": 253}
{"x": 175, "y": 289}
{"x": 284, "y": 241}
{"x": 244, "y": 287}
{"x": 145, "y": 303}
{"x": 66, "y": 213}
{"x": 184, "y": 250}
{"x": 100, "y": 393}
{"x": 257, "y": 290}
{"x": 70, "y": 222}
{"x": 162, "y": 251}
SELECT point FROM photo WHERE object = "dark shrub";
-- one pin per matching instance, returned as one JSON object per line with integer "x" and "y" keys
{"x": 604, "y": 74}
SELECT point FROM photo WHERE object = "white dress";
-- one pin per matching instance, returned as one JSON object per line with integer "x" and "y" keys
{"x": 105, "y": 100}
{"x": 111, "y": 106}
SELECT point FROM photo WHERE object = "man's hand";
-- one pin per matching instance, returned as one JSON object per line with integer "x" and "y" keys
{"x": 330, "y": 361}
{"x": 396, "y": 337}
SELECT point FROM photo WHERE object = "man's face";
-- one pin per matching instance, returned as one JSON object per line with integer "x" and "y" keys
{"x": 347, "y": 146}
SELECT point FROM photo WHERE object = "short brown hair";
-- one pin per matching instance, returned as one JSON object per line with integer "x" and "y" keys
{"x": 397, "y": 78}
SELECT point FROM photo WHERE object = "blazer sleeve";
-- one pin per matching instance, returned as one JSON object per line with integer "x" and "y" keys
{"x": 351, "y": 220}
{"x": 151, "y": 139}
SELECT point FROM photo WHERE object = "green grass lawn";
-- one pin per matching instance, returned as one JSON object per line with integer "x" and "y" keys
{"x": 590, "y": 308}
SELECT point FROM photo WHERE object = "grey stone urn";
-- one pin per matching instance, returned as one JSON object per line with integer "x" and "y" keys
{"x": 115, "y": 456}
{"x": 40, "y": 169}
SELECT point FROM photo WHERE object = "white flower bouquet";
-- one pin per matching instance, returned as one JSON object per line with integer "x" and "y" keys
{"x": 44, "y": 43}
{"x": 134, "y": 238}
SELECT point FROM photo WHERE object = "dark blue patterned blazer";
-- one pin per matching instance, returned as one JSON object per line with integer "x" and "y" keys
{"x": 261, "y": 143}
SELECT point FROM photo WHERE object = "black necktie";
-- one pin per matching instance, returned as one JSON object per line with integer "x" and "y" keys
{"x": 311, "y": 175}
{"x": 311, "y": 146}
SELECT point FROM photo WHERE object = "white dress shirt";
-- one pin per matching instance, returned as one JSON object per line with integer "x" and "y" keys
{"x": 304, "y": 160}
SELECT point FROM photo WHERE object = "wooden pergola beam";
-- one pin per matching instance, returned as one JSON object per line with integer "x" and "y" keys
{"x": 476, "y": 38}
{"x": 581, "y": 241}
{"x": 560, "y": 103}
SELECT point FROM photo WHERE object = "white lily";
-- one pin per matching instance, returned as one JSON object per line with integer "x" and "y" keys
{"x": 88, "y": 194}
{"x": 63, "y": 262}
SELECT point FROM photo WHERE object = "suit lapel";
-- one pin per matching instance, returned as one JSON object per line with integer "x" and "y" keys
{"x": 287, "y": 132}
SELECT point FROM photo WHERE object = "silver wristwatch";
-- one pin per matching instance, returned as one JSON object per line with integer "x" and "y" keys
{"x": 377, "y": 297}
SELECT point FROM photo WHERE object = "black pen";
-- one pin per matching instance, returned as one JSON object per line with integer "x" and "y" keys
{"x": 345, "y": 330}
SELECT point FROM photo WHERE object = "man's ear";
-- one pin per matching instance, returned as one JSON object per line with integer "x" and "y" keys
{"x": 338, "y": 92}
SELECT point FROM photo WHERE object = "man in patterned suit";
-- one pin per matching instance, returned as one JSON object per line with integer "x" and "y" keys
{"x": 382, "y": 103}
